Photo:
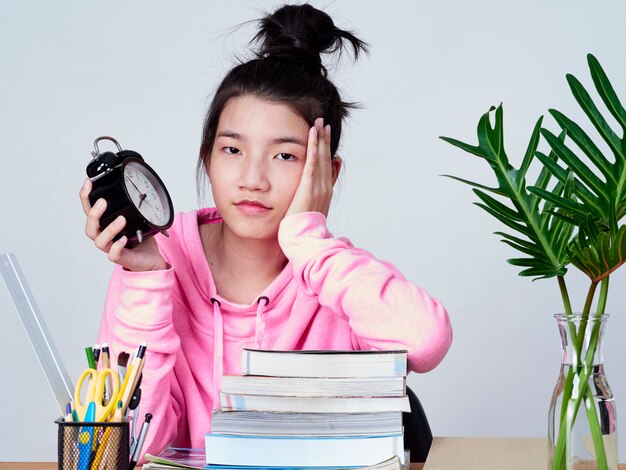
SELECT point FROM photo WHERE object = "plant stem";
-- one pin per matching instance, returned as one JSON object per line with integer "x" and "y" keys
{"x": 604, "y": 294}
{"x": 564, "y": 295}
{"x": 569, "y": 381}
{"x": 596, "y": 430}
{"x": 558, "y": 460}
{"x": 583, "y": 322}
{"x": 577, "y": 339}
{"x": 590, "y": 405}
{"x": 584, "y": 368}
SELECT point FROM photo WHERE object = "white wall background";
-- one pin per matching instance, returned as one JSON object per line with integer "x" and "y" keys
{"x": 144, "y": 72}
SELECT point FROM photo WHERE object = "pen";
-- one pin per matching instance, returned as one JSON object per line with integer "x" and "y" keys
{"x": 68, "y": 413}
{"x": 142, "y": 437}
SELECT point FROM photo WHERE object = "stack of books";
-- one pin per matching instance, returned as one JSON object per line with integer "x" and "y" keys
{"x": 311, "y": 409}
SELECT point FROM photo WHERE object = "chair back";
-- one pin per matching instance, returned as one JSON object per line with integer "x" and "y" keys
{"x": 417, "y": 434}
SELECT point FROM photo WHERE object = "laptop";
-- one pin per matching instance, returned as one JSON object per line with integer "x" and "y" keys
{"x": 36, "y": 329}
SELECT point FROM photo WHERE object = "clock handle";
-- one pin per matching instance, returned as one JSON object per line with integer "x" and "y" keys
{"x": 104, "y": 137}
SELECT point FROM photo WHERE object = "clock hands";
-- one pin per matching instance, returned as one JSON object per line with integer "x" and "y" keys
{"x": 147, "y": 203}
{"x": 153, "y": 212}
{"x": 134, "y": 185}
{"x": 142, "y": 196}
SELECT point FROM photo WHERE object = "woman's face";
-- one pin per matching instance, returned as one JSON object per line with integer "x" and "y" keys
{"x": 256, "y": 164}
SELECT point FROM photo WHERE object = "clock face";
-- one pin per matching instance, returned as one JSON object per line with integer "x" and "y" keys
{"x": 147, "y": 193}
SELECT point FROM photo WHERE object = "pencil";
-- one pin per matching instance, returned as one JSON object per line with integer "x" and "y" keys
{"x": 132, "y": 374}
{"x": 122, "y": 392}
{"x": 117, "y": 416}
{"x": 104, "y": 354}
{"x": 101, "y": 454}
{"x": 106, "y": 364}
{"x": 96, "y": 353}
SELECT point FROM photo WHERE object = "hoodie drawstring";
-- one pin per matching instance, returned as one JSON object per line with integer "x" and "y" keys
{"x": 218, "y": 340}
{"x": 260, "y": 324}
{"x": 218, "y": 350}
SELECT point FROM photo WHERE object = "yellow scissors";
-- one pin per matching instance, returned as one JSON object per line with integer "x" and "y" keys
{"x": 96, "y": 392}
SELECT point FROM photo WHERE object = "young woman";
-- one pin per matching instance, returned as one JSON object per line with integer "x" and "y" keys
{"x": 261, "y": 269}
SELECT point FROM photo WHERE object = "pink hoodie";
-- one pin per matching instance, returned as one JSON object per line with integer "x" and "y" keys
{"x": 330, "y": 295}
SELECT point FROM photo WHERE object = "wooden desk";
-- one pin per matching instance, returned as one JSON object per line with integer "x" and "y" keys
{"x": 490, "y": 453}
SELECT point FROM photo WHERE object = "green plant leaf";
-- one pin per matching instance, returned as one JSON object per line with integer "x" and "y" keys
{"x": 463, "y": 146}
{"x": 585, "y": 195}
{"x": 505, "y": 220}
{"x": 476, "y": 185}
{"x": 606, "y": 91}
{"x": 574, "y": 163}
{"x": 518, "y": 209}
{"x": 544, "y": 177}
{"x": 597, "y": 205}
{"x": 565, "y": 203}
{"x": 594, "y": 115}
{"x": 604, "y": 256}
{"x": 584, "y": 142}
{"x": 530, "y": 151}
{"x": 497, "y": 206}
{"x": 551, "y": 166}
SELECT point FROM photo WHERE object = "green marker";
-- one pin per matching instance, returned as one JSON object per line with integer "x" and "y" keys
{"x": 91, "y": 360}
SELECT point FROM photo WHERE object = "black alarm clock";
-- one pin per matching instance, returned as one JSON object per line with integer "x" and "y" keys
{"x": 132, "y": 189}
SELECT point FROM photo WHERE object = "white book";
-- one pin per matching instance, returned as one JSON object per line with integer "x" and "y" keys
{"x": 309, "y": 424}
{"x": 324, "y": 363}
{"x": 301, "y": 451}
{"x": 237, "y": 402}
{"x": 315, "y": 386}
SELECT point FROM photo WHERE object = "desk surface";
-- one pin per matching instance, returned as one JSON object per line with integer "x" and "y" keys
{"x": 491, "y": 453}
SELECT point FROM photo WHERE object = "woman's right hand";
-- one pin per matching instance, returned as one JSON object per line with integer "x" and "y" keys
{"x": 143, "y": 257}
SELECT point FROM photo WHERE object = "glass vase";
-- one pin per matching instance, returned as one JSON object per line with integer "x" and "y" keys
{"x": 582, "y": 425}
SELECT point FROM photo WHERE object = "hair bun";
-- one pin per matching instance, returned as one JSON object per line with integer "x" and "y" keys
{"x": 302, "y": 32}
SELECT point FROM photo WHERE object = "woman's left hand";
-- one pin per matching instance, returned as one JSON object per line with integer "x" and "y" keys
{"x": 319, "y": 174}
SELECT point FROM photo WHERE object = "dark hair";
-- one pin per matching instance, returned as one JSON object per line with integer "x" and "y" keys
{"x": 288, "y": 69}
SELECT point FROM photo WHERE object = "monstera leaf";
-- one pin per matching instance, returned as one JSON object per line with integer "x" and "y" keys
{"x": 541, "y": 236}
{"x": 599, "y": 188}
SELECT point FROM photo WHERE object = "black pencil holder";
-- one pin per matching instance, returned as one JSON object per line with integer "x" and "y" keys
{"x": 93, "y": 446}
